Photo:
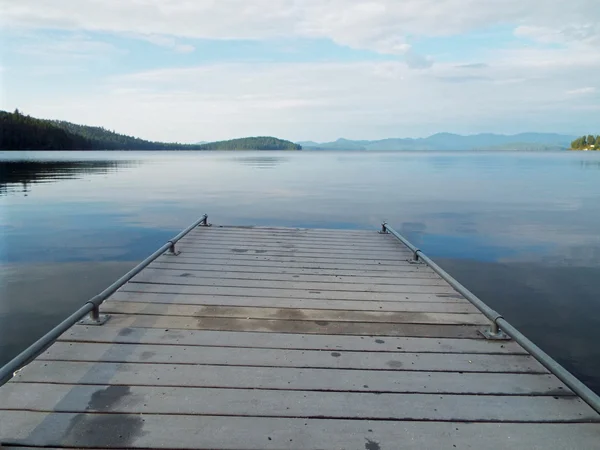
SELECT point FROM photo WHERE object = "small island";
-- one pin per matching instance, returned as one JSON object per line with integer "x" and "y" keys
{"x": 586, "y": 143}
{"x": 22, "y": 132}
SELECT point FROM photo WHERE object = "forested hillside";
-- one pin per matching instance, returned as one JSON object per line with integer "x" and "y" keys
{"x": 21, "y": 132}
{"x": 252, "y": 143}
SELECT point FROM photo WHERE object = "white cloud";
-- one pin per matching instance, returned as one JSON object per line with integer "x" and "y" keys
{"x": 582, "y": 91}
{"x": 323, "y": 101}
{"x": 168, "y": 42}
{"x": 76, "y": 47}
{"x": 378, "y": 25}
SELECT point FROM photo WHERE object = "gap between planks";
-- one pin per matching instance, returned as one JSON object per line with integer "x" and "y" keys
{"x": 289, "y": 341}
{"x": 282, "y": 303}
{"x": 293, "y": 314}
{"x": 290, "y": 379}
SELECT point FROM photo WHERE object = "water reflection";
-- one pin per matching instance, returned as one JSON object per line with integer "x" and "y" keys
{"x": 590, "y": 164}
{"x": 20, "y": 175}
{"x": 261, "y": 162}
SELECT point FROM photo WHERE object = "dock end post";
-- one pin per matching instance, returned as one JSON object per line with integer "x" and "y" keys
{"x": 95, "y": 318}
{"x": 494, "y": 333}
{"x": 171, "y": 251}
{"x": 204, "y": 222}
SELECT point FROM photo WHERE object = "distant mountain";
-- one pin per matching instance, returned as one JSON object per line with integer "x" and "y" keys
{"x": 449, "y": 141}
{"x": 21, "y": 132}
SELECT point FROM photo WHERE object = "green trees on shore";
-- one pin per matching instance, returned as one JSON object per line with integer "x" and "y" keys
{"x": 21, "y": 132}
{"x": 586, "y": 143}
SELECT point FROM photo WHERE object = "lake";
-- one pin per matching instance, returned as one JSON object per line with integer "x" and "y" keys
{"x": 521, "y": 230}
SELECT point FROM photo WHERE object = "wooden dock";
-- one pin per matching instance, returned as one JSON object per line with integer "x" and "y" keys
{"x": 273, "y": 338}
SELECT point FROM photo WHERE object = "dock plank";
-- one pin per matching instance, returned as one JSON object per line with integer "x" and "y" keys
{"x": 284, "y": 378}
{"x": 294, "y": 326}
{"x": 351, "y": 305}
{"x": 298, "y": 314}
{"x": 158, "y": 336}
{"x": 415, "y": 272}
{"x": 339, "y": 359}
{"x": 416, "y": 293}
{"x": 409, "y": 286}
{"x": 305, "y": 404}
{"x": 152, "y": 273}
{"x": 91, "y": 430}
{"x": 365, "y": 267}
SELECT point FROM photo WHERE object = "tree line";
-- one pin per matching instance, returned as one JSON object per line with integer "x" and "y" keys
{"x": 22, "y": 132}
{"x": 586, "y": 143}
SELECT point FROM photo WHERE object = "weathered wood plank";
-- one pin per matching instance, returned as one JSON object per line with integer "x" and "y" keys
{"x": 299, "y": 314}
{"x": 258, "y": 433}
{"x": 299, "y": 263}
{"x": 354, "y": 305}
{"x": 302, "y": 327}
{"x": 307, "y": 232}
{"x": 373, "y": 257}
{"x": 371, "y": 240}
{"x": 308, "y": 245}
{"x": 270, "y": 378}
{"x": 251, "y": 246}
{"x": 165, "y": 263}
{"x": 297, "y": 285}
{"x": 150, "y": 273}
{"x": 161, "y": 336}
{"x": 233, "y": 356}
{"x": 411, "y": 293}
{"x": 306, "y": 404}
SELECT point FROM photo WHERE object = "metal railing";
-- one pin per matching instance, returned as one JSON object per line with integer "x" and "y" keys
{"x": 91, "y": 307}
{"x": 500, "y": 328}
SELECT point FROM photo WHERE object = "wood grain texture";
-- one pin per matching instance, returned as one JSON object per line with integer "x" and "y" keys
{"x": 297, "y": 314}
{"x": 171, "y": 354}
{"x": 416, "y": 293}
{"x": 110, "y": 333}
{"x": 305, "y": 404}
{"x": 284, "y": 378}
{"x": 152, "y": 274}
{"x": 294, "y": 326}
{"x": 348, "y": 305}
{"x": 92, "y": 430}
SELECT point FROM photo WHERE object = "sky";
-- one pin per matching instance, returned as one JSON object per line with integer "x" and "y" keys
{"x": 205, "y": 70}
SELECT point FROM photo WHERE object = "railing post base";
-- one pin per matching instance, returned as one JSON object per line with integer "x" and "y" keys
{"x": 94, "y": 318}
{"x": 494, "y": 333}
{"x": 204, "y": 222}
{"x": 171, "y": 251}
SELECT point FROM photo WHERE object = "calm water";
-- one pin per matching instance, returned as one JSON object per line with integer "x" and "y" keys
{"x": 520, "y": 230}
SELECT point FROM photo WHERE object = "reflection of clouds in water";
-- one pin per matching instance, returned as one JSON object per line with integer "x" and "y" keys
{"x": 581, "y": 255}
{"x": 261, "y": 162}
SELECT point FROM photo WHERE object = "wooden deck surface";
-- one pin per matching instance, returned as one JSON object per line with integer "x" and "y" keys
{"x": 272, "y": 338}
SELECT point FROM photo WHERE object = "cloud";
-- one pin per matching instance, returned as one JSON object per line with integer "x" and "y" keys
{"x": 582, "y": 91}
{"x": 383, "y": 26}
{"x": 472, "y": 66}
{"x": 323, "y": 101}
{"x": 168, "y": 42}
{"x": 72, "y": 47}
{"x": 415, "y": 61}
